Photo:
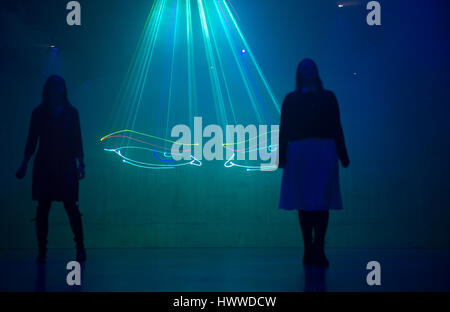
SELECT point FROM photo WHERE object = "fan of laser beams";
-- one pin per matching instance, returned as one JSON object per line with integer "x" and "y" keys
{"x": 237, "y": 85}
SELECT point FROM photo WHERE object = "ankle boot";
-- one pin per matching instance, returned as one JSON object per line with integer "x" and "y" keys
{"x": 81, "y": 254}
{"x": 320, "y": 259}
{"x": 77, "y": 229}
{"x": 308, "y": 256}
{"x": 42, "y": 213}
{"x": 307, "y": 232}
{"x": 320, "y": 229}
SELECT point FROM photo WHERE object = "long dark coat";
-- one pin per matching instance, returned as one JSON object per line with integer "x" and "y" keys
{"x": 55, "y": 175}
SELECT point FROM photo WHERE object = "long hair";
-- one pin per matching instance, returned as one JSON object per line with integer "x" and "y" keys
{"x": 49, "y": 88}
{"x": 299, "y": 78}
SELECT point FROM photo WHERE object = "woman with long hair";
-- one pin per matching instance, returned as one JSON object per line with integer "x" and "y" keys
{"x": 311, "y": 142}
{"x": 55, "y": 124}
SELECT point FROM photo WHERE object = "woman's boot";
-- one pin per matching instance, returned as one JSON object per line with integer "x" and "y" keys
{"x": 320, "y": 229}
{"x": 77, "y": 229}
{"x": 42, "y": 213}
{"x": 307, "y": 232}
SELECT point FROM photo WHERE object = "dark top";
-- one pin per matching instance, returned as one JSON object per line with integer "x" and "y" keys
{"x": 55, "y": 175}
{"x": 311, "y": 115}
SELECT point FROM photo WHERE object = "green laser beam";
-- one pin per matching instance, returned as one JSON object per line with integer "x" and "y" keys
{"x": 217, "y": 91}
{"x": 255, "y": 63}
{"x": 236, "y": 56}
{"x": 169, "y": 101}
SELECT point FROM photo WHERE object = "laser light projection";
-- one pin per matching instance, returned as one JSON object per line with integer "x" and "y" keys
{"x": 213, "y": 149}
{"x": 192, "y": 59}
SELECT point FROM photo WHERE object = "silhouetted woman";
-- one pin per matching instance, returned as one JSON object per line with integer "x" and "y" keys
{"x": 56, "y": 125}
{"x": 311, "y": 142}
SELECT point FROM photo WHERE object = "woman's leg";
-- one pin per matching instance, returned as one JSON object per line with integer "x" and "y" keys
{"x": 306, "y": 223}
{"x": 320, "y": 226}
{"x": 43, "y": 210}
{"x": 77, "y": 228}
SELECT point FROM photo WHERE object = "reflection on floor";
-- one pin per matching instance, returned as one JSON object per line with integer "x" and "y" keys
{"x": 225, "y": 269}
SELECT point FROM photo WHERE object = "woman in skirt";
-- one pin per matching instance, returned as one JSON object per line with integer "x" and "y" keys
{"x": 310, "y": 144}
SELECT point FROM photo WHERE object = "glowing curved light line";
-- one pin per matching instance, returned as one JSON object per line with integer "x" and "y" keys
{"x": 154, "y": 154}
{"x": 248, "y": 150}
{"x": 136, "y": 147}
{"x": 140, "y": 141}
{"x": 254, "y": 138}
{"x": 147, "y": 135}
{"x": 113, "y": 135}
{"x": 146, "y": 167}
{"x": 194, "y": 162}
{"x": 229, "y": 164}
{"x": 260, "y": 169}
{"x": 271, "y": 148}
{"x": 166, "y": 148}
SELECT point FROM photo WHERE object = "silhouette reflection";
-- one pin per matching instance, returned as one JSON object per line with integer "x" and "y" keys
{"x": 79, "y": 288}
{"x": 315, "y": 278}
{"x": 41, "y": 278}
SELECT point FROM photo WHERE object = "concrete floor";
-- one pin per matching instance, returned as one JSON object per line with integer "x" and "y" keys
{"x": 225, "y": 269}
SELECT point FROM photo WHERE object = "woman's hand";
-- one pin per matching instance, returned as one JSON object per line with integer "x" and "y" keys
{"x": 81, "y": 172}
{"x": 22, "y": 171}
{"x": 81, "y": 168}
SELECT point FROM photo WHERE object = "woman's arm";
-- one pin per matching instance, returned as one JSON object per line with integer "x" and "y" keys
{"x": 283, "y": 140}
{"x": 33, "y": 135}
{"x": 339, "y": 133}
{"x": 30, "y": 146}
{"x": 79, "y": 146}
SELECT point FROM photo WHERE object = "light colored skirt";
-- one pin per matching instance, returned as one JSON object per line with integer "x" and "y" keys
{"x": 311, "y": 176}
